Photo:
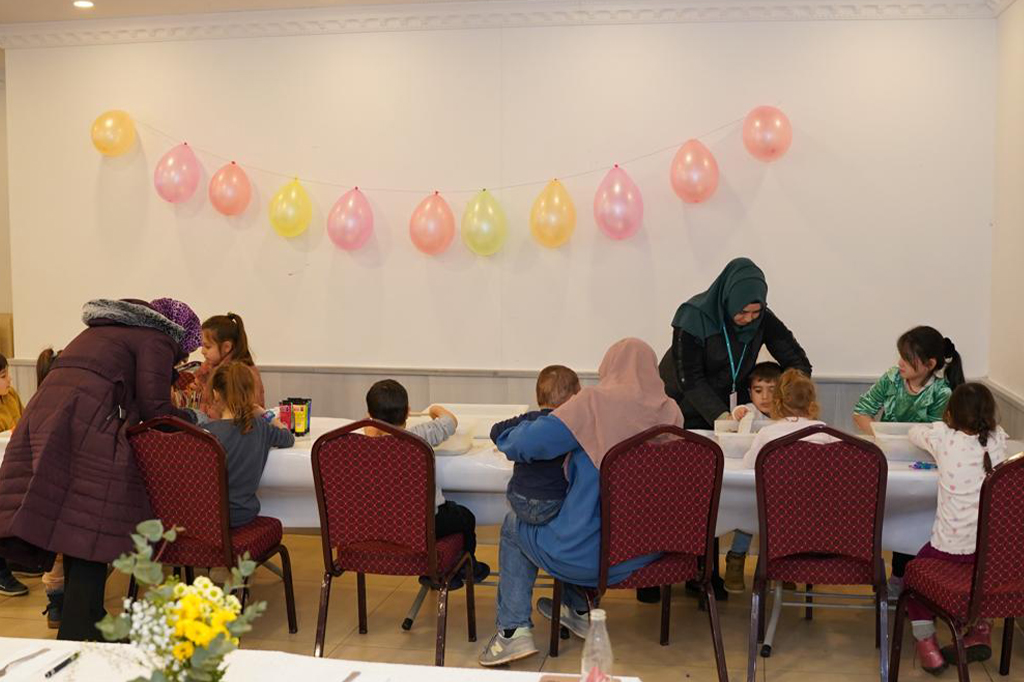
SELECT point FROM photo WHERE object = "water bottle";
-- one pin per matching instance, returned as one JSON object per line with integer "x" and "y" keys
{"x": 597, "y": 650}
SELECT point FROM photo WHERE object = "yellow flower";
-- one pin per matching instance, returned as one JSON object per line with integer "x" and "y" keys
{"x": 181, "y": 627}
{"x": 220, "y": 619}
{"x": 183, "y": 650}
{"x": 189, "y": 607}
{"x": 199, "y": 633}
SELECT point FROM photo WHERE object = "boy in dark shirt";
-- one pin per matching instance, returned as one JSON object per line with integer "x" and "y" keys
{"x": 537, "y": 489}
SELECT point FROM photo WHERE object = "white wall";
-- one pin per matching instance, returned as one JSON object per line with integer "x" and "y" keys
{"x": 877, "y": 219}
{"x": 5, "y": 225}
{"x": 1007, "y": 364}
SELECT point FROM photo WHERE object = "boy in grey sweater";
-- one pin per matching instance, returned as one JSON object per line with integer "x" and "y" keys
{"x": 388, "y": 401}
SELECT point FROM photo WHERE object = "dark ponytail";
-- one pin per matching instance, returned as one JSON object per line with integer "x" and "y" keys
{"x": 922, "y": 344}
{"x": 44, "y": 363}
{"x": 223, "y": 328}
{"x": 972, "y": 409}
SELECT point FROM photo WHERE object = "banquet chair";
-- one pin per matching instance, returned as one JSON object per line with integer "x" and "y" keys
{"x": 184, "y": 471}
{"x": 659, "y": 494}
{"x": 820, "y": 508}
{"x": 993, "y": 587}
{"x": 376, "y": 502}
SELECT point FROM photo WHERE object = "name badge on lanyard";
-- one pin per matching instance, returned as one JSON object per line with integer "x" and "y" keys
{"x": 733, "y": 367}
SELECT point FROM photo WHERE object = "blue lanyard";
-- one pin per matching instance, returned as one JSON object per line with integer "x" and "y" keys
{"x": 732, "y": 366}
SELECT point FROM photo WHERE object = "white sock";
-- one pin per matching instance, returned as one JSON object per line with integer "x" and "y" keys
{"x": 923, "y": 629}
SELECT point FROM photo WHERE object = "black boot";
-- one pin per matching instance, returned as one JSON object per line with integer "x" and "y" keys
{"x": 53, "y": 609}
{"x": 11, "y": 586}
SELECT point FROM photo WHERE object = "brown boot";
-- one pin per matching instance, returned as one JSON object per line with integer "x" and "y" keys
{"x": 734, "y": 566}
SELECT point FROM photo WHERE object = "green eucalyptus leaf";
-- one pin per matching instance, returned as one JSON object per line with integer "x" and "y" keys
{"x": 152, "y": 530}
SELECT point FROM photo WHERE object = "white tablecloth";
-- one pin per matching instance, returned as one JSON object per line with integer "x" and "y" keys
{"x": 109, "y": 663}
{"x": 478, "y": 480}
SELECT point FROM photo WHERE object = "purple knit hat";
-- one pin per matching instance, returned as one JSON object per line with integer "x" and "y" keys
{"x": 182, "y": 315}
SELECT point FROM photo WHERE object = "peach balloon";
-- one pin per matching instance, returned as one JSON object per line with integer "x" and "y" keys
{"x": 767, "y": 133}
{"x": 230, "y": 190}
{"x": 432, "y": 226}
{"x": 694, "y": 172}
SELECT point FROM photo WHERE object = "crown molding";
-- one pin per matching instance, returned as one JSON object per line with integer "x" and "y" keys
{"x": 476, "y": 15}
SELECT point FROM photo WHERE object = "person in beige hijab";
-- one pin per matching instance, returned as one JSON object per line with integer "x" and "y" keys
{"x": 629, "y": 398}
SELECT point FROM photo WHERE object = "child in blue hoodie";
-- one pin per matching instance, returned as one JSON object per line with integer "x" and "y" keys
{"x": 537, "y": 489}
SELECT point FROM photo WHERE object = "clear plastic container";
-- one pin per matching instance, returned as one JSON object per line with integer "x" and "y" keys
{"x": 597, "y": 662}
{"x": 892, "y": 439}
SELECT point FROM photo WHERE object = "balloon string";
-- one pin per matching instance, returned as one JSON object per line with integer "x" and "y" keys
{"x": 518, "y": 185}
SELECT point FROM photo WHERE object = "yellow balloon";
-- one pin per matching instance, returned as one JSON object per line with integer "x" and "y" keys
{"x": 113, "y": 132}
{"x": 291, "y": 210}
{"x": 484, "y": 226}
{"x": 553, "y": 216}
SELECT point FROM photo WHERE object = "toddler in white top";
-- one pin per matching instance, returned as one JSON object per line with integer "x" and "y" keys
{"x": 794, "y": 407}
{"x": 966, "y": 444}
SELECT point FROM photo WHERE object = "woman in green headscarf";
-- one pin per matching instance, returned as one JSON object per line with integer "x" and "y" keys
{"x": 716, "y": 338}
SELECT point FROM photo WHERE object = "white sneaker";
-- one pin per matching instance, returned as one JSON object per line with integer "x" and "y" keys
{"x": 501, "y": 650}
{"x": 577, "y": 624}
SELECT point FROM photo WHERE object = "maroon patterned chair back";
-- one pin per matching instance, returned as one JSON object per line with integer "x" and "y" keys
{"x": 998, "y": 583}
{"x": 659, "y": 493}
{"x": 375, "y": 490}
{"x": 183, "y": 469}
{"x": 821, "y": 498}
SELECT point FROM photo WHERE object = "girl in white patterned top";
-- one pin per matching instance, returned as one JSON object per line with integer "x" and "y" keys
{"x": 966, "y": 444}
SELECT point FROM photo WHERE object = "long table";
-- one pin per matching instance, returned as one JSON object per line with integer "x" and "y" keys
{"x": 112, "y": 663}
{"x": 478, "y": 480}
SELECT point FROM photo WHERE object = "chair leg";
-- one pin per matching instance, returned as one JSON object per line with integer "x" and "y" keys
{"x": 808, "y": 599}
{"x": 762, "y": 612}
{"x": 897, "y": 637}
{"x": 289, "y": 590}
{"x": 321, "y": 619}
{"x": 716, "y": 633}
{"x": 244, "y": 599}
{"x": 961, "y": 653}
{"x": 878, "y": 617}
{"x": 882, "y": 632}
{"x": 190, "y": 574}
{"x": 361, "y": 600}
{"x": 1004, "y": 657}
{"x": 133, "y": 589}
{"x": 470, "y": 601}
{"x": 442, "y": 624}
{"x": 556, "y": 616}
{"x": 666, "y": 612}
{"x": 755, "y": 630}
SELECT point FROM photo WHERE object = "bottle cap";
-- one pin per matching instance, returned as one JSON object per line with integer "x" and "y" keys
{"x": 597, "y": 614}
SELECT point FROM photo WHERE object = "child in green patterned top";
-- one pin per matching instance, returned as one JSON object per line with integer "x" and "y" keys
{"x": 913, "y": 391}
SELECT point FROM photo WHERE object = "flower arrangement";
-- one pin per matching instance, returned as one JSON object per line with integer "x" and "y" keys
{"x": 180, "y": 632}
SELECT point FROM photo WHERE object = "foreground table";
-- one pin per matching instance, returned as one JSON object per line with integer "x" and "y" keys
{"x": 112, "y": 663}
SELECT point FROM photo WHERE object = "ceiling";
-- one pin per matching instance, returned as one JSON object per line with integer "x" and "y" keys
{"x": 16, "y": 11}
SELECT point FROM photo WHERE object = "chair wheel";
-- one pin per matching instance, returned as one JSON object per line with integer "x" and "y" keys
{"x": 407, "y": 624}
{"x": 563, "y": 632}
{"x": 766, "y": 651}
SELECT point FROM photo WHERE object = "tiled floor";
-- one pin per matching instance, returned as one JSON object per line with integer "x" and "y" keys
{"x": 836, "y": 645}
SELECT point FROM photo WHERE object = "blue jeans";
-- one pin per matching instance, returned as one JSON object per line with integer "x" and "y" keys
{"x": 534, "y": 512}
{"x": 515, "y": 584}
{"x": 741, "y": 542}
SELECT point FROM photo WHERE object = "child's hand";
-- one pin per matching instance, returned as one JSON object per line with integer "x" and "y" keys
{"x": 436, "y": 412}
{"x": 739, "y": 413}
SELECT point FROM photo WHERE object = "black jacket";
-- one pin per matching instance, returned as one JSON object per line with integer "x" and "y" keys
{"x": 698, "y": 376}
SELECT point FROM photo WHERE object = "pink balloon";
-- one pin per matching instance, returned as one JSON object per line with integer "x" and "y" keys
{"x": 350, "y": 222}
{"x": 618, "y": 205}
{"x": 767, "y": 133}
{"x": 432, "y": 225}
{"x": 177, "y": 175}
{"x": 230, "y": 190}
{"x": 694, "y": 172}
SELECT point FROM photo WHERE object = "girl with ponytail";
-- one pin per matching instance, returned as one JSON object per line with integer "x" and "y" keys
{"x": 966, "y": 444}
{"x": 918, "y": 388}
{"x": 224, "y": 340}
